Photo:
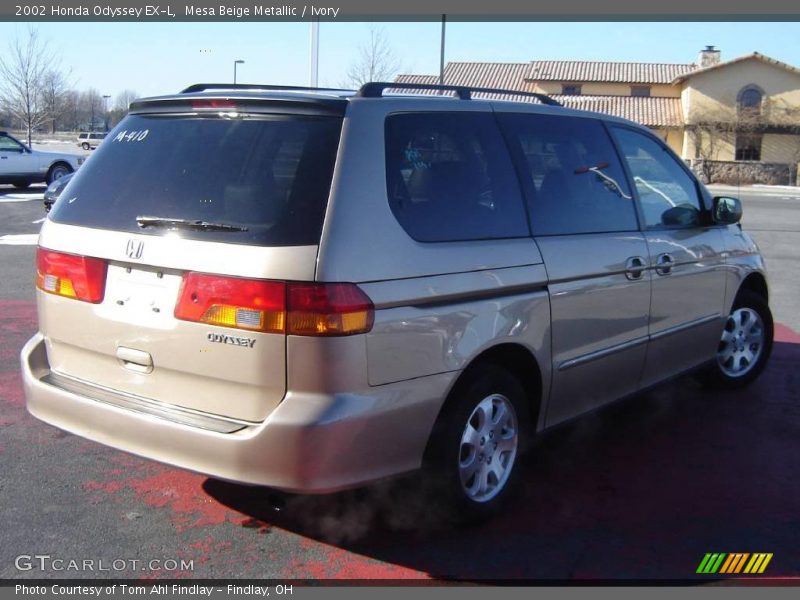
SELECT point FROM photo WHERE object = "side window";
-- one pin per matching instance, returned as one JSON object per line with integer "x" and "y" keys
{"x": 449, "y": 177}
{"x": 667, "y": 194}
{"x": 572, "y": 176}
{"x": 8, "y": 144}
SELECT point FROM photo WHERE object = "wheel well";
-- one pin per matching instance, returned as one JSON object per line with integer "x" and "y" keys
{"x": 756, "y": 283}
{"x": 60, "y": 162}
{"x": 522, "y": 364}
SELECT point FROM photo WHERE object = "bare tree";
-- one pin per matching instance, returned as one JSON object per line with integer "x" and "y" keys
{"x": 376, "y": 60}
{"x": 55, "y": 88}
{"x": 91, "y": 103}
{"x": 23, "y": 69}
{"x": 123, "y": 100}
{"x": 710, "y": 131}
{"x": 72, "y": 110}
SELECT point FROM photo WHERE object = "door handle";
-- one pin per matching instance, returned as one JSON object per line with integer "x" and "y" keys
{"x": 664, "y": 264}
{"x": 634, "y": 267}
{"x": 135, "y": 360}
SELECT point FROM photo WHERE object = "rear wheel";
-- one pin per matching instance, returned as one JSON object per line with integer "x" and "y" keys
{"x": 85, "y": 145}
{"x": 57, "y": 171}
{"x": 745, "y": 343}
{"x": 477, "y": 442}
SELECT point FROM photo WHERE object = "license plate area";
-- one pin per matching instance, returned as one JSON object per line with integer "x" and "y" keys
{"x": 141, "y": 294}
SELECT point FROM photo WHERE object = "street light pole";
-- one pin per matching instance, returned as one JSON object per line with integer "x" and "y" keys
{"x": 235, "y": 64}
{"x": 105, "y": 110}
{"x": 441, "y": 51}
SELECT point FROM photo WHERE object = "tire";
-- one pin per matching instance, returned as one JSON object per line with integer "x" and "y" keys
{"x": 57, "y": 171}
{"x": 745, "y": 344}
{"x": 85, "y": 146}
{"x": 474, "y": 451}
{"x": 24, "y": 185}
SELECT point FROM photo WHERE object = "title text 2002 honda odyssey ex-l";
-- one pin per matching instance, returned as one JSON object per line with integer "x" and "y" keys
{"x": 311, "y": 290}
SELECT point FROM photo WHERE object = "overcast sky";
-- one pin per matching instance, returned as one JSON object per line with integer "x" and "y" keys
{"x": 157, "y": 58}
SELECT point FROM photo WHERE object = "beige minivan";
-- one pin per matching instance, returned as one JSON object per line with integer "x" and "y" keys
{"x": 315, "y": 289}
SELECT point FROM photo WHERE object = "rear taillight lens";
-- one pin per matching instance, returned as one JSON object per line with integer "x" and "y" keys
{"x": 328, "y": 309}
{"x": 233, "y": 302}
{"x": 309, "y": 309}
{"x": 79, "y": 277}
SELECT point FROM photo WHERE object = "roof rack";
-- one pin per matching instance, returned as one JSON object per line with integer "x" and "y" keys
{"x": 202, "y": 87}
{"x": 375, "y": 89}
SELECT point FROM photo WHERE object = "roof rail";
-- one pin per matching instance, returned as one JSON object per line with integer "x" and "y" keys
{"x": 201, "y": 87}
{"x": 375, "y": 89}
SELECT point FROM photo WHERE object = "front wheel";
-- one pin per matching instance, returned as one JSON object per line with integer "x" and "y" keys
{"x": 477, "y": 442}
{"x": 85, "y": 145}
{"x": 57, "y": 171}
{"x": 745, "y": 344}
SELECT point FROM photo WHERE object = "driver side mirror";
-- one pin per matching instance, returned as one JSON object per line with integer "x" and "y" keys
{"x": 726, "y": 211}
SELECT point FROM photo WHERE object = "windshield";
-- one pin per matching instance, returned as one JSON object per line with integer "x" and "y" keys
{"x": 267, "y": 176}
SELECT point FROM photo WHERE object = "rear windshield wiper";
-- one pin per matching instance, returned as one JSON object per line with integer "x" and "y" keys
{"x": 186, "y": 224}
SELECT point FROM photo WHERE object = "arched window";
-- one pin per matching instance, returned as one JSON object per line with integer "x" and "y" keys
{"x": 750, "y": 99}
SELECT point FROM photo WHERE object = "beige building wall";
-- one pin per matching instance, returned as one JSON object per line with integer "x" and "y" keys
{"x": 716, "y": 92}
{"x": 780, "y": 148}
{"x": 714, "y": 95}
{"x": 775, "y": 148}
{"x": 723, "y": 147}
{"x": 607, "y": 89}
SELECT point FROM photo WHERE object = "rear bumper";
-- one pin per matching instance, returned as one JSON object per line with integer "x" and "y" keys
{"x": 311, "y": 443}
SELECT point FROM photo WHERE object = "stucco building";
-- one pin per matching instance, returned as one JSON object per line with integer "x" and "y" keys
{"x": 732, "y": 120}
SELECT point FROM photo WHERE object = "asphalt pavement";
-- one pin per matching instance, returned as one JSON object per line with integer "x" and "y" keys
{"x": 640, "y": 490}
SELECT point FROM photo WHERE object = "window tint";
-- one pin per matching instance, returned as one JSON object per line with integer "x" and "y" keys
{"x": 668, "y": 195}
{"x": 270, "y": 175}
{"x": 571, "y": 174}
{"x": 449, "y": 177}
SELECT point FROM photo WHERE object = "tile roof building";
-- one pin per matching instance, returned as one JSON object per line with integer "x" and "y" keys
{"x": 675, "y": 100}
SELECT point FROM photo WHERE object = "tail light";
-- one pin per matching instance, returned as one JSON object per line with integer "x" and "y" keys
{"x": 79, "y": 277}
{"x": 328, "y": 309}
{"x": 309, "y": 309}
{"x": 232, "y": 302}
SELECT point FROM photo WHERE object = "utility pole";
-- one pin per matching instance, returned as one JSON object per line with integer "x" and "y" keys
{"x": 313, "y": 59}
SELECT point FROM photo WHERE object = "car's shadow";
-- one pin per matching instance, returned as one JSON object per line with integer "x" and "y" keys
{"x": 639, "y": 490}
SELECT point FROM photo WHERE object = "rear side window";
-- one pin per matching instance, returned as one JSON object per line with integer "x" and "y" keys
{"x": 571, "y": 175}
{"x": 269, "y": 175}
{"x": 449, "y": 177}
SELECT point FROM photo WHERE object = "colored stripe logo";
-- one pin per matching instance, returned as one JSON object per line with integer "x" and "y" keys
{"x": 734, "y": 563}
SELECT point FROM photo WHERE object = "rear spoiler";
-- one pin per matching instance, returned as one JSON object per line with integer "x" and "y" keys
{"x": 193, "y": 103}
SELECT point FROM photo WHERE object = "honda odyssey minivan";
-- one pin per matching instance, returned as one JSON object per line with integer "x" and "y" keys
{"x": 314, "y": 289}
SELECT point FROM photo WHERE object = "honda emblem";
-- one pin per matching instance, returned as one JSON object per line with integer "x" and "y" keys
{"x": 134, "y": 248}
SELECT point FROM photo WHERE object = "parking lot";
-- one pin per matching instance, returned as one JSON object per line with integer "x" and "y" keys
{"x": 640, "y": 490}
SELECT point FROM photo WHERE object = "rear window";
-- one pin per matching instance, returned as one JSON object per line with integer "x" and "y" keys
{"x": 269, "y": 175}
